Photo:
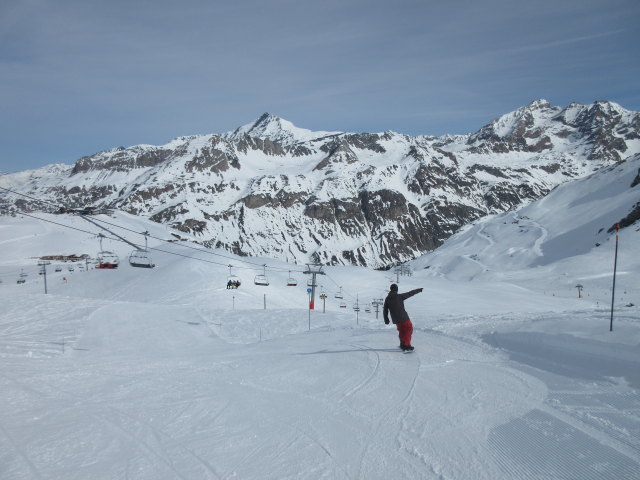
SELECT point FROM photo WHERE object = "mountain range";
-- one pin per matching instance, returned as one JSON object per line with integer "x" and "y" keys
{"x": 272, "y": 189}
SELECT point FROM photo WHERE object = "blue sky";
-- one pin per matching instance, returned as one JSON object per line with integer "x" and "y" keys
{"x": 80, "y": 76}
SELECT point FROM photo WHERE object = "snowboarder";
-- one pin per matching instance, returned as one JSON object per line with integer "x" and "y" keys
{"x": 394, "y": 303}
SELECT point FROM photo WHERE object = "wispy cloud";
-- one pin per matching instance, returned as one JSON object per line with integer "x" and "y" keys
{"x": 565, "y": 41}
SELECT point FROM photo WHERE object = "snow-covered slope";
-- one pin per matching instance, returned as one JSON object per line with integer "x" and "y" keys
{"x": 275, "y": 190}
{"x": 567, "y": 237}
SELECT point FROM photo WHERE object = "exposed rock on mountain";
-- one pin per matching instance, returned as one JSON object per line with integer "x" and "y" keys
{"x": 272, "y": 189}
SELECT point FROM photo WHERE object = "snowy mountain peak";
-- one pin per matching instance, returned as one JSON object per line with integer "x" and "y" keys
{"x": 269, "y": 124}
{"x": 274, "y": 128}
{"x": 516, "y": 123}
{"x": 539, "y": 104}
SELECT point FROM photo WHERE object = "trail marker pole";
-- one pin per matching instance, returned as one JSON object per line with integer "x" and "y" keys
{"x": 309, "y": 290}
{"x": 613, "y": 291}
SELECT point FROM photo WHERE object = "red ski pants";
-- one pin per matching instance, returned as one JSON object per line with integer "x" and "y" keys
{"x": 405, "y": 330}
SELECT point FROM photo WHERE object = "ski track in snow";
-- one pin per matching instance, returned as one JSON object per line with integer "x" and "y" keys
{"x": 544, "y": 233}
{"x": 20, "y": 452}
{"x": 395, "y": 403}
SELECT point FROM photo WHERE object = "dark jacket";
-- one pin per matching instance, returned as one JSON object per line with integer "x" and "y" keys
{"x": 394, "y": 303}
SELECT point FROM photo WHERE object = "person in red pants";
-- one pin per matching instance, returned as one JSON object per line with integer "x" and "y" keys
{"x": 394, "y": 304}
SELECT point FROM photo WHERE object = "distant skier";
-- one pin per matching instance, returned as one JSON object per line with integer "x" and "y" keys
{"x": 394, "y": 303}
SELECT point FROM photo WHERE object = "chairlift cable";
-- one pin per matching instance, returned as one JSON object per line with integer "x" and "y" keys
{"x": 340, "y": 286}
{"x": 32, "y": 198}
{"x": 133, "y": 231}
{"x": 119, "y": 240}
{"x": 150, "y": 248}
{"x": 202, "y": 250}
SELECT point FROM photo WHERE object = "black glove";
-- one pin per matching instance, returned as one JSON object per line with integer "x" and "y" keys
{"x": 386, "y": 322}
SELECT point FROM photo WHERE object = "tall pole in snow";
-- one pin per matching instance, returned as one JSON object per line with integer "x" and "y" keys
{"x": 615, "y": 265}
{"x": 313, "y": 269}
{"x": 43, "y": 265}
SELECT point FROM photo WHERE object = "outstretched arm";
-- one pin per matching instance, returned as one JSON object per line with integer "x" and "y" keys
{"x": 410, "y": 293}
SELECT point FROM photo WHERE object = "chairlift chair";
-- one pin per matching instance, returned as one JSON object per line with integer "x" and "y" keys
{"x": 339, "y": 294}
{"x": 22, "y": 278}
{"x": 343, "y": 304}
{"x": 58, "y": 268}
{"x": 233, "y": 281}
{"x": 291, "y": 282}
{"x": 262, "y": 279}
{"x": 107, "y": 260}
{"x": 141, "y": 259}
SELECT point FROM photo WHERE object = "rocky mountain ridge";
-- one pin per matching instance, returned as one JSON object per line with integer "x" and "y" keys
{"x": 272, "y": 189}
